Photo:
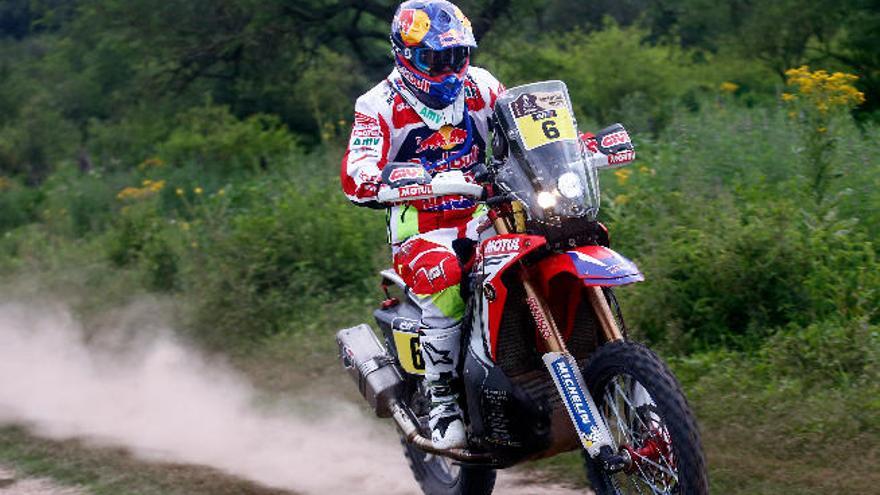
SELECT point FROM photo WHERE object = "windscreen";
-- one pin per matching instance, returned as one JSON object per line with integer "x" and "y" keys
{"x": 546, "y": 168}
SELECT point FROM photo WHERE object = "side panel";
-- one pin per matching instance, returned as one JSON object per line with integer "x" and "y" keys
{"x": 495, "y": 256}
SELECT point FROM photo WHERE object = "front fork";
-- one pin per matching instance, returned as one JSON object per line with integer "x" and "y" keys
{"x": 589, "y": 424}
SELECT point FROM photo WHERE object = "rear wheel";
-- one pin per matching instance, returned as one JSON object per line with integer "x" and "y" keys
{"x": 649, "y": 419}
{"x": 438, "y": 475}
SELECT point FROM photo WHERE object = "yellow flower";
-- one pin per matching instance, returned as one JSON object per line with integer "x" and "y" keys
{"x": 198, "y": 190}
{"x": 729, "y": 87}
{"x": 622, "y": 175}
{"x": 184, "y": 226}
{"x": 157, "y": 186}
{"x": 149, "y": 188}
{"x": 179, "y": 191}
{"x": 130, "y": 193}
{"x": 221, "y": 192}
{"x": 823, "y": 91}
{"x": 154, "y": 162}
{"x": 821, "y": 130}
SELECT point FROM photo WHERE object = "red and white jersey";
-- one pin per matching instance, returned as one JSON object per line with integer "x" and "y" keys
{"x": 390, "y": 125}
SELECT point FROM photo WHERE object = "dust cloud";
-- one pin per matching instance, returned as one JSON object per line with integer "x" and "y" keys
{"x": 165, "y": 401}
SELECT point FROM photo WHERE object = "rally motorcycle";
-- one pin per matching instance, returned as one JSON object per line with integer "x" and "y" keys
{"x": 546, "y": 366}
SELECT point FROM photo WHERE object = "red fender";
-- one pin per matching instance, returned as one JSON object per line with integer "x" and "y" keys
{"x": 595, "y": 265}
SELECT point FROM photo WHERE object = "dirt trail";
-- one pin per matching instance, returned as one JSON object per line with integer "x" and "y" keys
{"x": 12, "y": 484}
{"x": 164, "y": 401}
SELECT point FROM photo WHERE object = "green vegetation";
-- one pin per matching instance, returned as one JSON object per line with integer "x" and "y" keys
{"x": 189, "y": 151}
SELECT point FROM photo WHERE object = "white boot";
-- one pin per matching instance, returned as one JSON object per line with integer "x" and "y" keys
{"x": 440, "y": 350}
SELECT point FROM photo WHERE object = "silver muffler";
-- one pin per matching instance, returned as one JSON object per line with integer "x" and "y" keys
{"x": 371, "y": 367}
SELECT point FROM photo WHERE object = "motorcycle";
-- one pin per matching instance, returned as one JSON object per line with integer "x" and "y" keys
{"x": 546, "y": 366}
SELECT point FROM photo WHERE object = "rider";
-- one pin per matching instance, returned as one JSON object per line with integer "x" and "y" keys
{"x": 432, "y": 109}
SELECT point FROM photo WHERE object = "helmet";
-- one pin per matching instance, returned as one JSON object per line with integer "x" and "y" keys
{"x": 431, "y": 41}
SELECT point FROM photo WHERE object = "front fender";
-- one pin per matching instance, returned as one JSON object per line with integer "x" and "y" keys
{"x": 595, "y": 265}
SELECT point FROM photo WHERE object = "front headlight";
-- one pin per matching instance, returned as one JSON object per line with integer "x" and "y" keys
{"x": 546, "y": 200}
{"x": 570, "y": 186}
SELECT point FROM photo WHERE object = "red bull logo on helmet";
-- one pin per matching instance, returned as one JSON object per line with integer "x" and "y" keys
{"x": 446, "y": 138}
{"x": 414, "y": 26}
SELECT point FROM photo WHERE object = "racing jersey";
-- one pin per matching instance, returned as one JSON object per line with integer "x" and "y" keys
{"x": 391, "y": 125}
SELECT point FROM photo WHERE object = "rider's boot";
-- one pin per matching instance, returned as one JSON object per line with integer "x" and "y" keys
{"x": 440, "y": 351}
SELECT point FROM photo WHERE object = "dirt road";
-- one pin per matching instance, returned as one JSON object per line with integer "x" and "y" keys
{"x": 12, "y": 484}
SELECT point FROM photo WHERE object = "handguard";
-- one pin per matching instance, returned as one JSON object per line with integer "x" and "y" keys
{"x": 609, "y": 148}
{"x": 409, "y": 182}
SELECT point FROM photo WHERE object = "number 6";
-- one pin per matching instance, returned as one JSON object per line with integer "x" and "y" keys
{"x": 550, "y": 130}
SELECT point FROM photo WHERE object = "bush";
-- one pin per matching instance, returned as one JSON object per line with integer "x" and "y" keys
{"x": 38, "y": 139}
{"x": 78, "y": 204}
{"x": 142, "y": 238}
{"x": 720, "y": 216}
{"x": 18, "y": 204}
{"x": 218, "y": 143}
{"x": 610, "y": 74}
{"x": 269, "y": 248}
{"x": 839, "y": 351}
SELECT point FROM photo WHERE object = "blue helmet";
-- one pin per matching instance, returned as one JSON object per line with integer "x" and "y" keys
{"x": 432, "y": 41}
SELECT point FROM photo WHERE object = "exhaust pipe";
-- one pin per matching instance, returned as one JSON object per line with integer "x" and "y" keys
{"x": 370, "y": 366}
{"x": 380, "y": 382}
{"x": 411, "y": 432}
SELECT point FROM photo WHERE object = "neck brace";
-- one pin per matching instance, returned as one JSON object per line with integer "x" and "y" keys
{"x": 433, "y": 118}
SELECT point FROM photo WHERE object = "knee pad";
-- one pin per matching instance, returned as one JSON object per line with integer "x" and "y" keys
{"x": 427, "y": 268}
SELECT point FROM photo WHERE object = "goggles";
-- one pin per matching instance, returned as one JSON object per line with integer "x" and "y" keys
{"x": 437, "y": 62}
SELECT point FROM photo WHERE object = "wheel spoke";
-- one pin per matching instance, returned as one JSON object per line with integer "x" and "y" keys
{"x": 634, "y": 425}
{"x": 621, "y": 426}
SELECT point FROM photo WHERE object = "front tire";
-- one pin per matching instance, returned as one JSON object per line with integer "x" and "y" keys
{"x": 645, "y": 410}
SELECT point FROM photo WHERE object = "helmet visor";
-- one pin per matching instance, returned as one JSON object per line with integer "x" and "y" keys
{"x": 437, "y": 62}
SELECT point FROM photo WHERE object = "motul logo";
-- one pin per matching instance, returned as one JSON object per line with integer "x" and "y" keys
{"x": 415, "y": 190}
{"x": 619, "y": 137}
{"x": 406, "y": 173}
{"x": 622, "y": 157}
{"x": 367, "y": 132}
{"x": 501, "y": 246}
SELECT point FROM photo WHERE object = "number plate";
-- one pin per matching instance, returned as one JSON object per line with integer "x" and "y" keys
{"x": 542, "y": 118}
{"x": 409, "y": 352}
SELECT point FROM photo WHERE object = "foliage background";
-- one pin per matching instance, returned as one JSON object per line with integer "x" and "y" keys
{"x": 190, "y": 150}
